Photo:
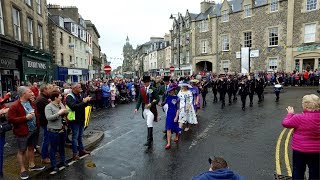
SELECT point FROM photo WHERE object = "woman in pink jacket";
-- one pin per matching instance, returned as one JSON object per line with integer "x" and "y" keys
{"x": 306, "y": 137}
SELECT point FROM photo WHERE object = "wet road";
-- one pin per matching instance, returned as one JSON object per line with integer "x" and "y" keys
{"x": 247, "y": 140}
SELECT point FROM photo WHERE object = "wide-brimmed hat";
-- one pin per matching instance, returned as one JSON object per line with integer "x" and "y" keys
{"x": 146, "y": 79}
{"x": 185, "y": 83}
{"x": 172, "y": 87}
{"x": 166, "y": 78}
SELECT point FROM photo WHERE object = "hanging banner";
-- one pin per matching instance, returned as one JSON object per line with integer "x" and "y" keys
{"x": 245, "y": 60}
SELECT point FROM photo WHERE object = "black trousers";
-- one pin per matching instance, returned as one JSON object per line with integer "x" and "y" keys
{"x": 243, "y": 100}
{"x": 251, "y": 97}
{"x": 234, "y": 95}
{"x": 223, "y": 98}
{"x": 230, "y": 97}
{"x": 204, "y": 101}
{"x": 259, "y": 96}
{"x": 301, "y": 160}
{"x": 277, "y": 95}
{"x": 215, "y": 99}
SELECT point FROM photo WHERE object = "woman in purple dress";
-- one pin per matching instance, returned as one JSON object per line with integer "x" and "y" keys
{"x": 172, "y": 125}
{"x": 196, "y": 94}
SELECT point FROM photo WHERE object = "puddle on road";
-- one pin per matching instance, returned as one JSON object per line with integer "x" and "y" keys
{"x": 90, "y": 164}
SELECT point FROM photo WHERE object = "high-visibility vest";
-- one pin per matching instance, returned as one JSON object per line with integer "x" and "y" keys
{"x": 72, "y": 114}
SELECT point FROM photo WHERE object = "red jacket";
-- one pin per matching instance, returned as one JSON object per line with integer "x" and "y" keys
{"x": 17, "y": 117}
{"x": 35, "y": 91}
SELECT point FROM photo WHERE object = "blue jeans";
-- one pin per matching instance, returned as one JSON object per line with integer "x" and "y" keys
{"x": 2, "y": 143}
{"x": 105, "y": 102}
{"x": 77, "y": 134}
{"x": 57, "y": 143}
{"x": 45, "y": 143}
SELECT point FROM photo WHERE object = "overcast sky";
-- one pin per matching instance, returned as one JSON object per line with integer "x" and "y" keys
{"x": 139, "y": 19}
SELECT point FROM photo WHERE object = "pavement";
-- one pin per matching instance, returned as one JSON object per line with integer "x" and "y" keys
{"x": 246, "y": 139}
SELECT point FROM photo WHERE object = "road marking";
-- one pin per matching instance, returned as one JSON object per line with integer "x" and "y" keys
{"x": 286, "y": 154}
{"x": 96, "y": 150}
{"x": 278, "y": 168}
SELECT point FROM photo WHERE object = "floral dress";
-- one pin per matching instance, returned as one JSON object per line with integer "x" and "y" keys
{"x": 187, "y": 113}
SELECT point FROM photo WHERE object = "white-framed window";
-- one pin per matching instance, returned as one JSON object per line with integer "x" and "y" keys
{"x": 309, "y": 33}
{"x": 274, "y": 5}
{"x": 273, "y": 36}
{"x": 175, "y": 42}
{"x": 30, "y": 31}
{"x": 1, "y": 20}
{"x": 16, "y": 24}
{"x": 225, "y": 65}
{"x": 225, "y": 43}
{"x": 311, "y": 5}
{"x": 187, "y": 57}
{"x": 175, "y": 59}
{"x": 61, "y": 22}
{"x": 38, "y": 5}
{"x": 181, "y": 58}
{"x": 28, "y": 2}
{"x": 248, "y": 39}
{"x": 203, "y": 46}
{"x": 225, "y": 16}
{"x": 247, "y": 10}
{"x": 40, "y": 36}
{"x": 203, "y": 26}
{"x": 273, "y": 63}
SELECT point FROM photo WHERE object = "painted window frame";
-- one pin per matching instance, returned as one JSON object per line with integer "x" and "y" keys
{"x": 273, "y": 37}
{"x": 273, "y": 62}
{"x": 247, "y": 41}
{"x": 274, "y": 5}
{"x": 227, "y": 67}
{"x": 40, "y": 36}
{"x": 38, "y": 6}
{"x": 312, "y": 33}
{"x": 247, "y": 10}
{"x": 225, "y": 42}
{"x": 16, "y": 22}
{"x": 203, "y": 44}
{"x": 30, "y": 31}
{"x": 311, "y": 5}
{"x": 225, "y": 16}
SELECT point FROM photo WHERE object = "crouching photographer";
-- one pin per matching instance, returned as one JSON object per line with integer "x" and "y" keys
{"x": 56, "y": 113}
{"x": 4, "y": 127}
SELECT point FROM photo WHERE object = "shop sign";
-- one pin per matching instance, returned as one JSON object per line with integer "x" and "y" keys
{"x": 74, "y": 72}
{"x": 36, "y": 65}
{"x": 308, "y": 48}
{"x": 7, "y": 63}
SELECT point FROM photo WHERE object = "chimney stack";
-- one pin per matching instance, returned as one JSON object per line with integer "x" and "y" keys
{"x": 204, "y": 5}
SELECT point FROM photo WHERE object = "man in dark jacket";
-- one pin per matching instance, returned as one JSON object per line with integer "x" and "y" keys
{"x": 41, "y": 102}
{"x": 77, "y": 106}
{"x": 218, "y": 170}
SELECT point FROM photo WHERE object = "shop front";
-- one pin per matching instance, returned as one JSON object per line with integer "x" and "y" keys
{"x": 36, "y": 66}
{"x": 9, "y": 71}
{"x": 85, "y": 75}
{"x": 61, "y": 73}
{"x": 307, "y": 58}
{"x": 74, "y": 75}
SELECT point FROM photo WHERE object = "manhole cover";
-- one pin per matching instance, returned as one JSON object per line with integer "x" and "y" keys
{"x": 90, "y": 164}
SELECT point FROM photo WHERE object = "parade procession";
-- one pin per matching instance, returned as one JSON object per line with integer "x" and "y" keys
{"x": 202, "y": 89}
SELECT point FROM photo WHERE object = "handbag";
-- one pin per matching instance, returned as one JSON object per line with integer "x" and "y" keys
{"x": 4, "y": 127}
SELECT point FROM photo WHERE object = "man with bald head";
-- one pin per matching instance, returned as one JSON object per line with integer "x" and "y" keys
{"x": 76, "y": 105}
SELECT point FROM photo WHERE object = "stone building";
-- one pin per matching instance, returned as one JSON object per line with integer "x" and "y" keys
{"x": 24, "y": 49}
{"x": 181, "y": 43}
{"x": 128, "y": 53}
{"x": 281, "y": 35}
{"x": 96, "y": 49}
{"x": 71, "y": 68}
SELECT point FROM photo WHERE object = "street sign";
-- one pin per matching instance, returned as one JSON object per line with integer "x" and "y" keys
{"x": 107, "y": 69}
{"x": 171, "y": 69}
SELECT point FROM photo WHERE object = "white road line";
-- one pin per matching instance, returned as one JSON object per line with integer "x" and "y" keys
{"x": 96, "y": 150}
{"x": 202, "y": 135}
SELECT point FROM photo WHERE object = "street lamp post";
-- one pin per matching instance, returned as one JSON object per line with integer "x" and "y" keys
{"x": 178, "y": 24}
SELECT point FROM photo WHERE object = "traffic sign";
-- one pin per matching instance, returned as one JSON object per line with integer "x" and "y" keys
{"x": 107, "y": 69}
{"x": 171, "y": 69}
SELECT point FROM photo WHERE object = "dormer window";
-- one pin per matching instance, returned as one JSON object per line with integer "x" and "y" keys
{"x": 247, "y": 10}
{"x": 225, "y": 16}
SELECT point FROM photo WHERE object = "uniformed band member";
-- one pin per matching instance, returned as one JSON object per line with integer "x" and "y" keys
{"x": 230, "y": 89}
{"x": 260, "y": 88}
{"x": 214, "y": 85}
{"x": 149, "y": 98}
{"x": 235, "y": 88}
{"x": 243, "y": 91}
{"x": 222, "y": 89}
{"x": 252, "y": 86}
{"x": 204, "y": 91}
